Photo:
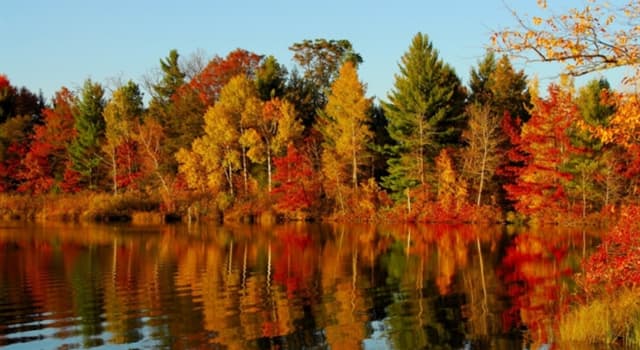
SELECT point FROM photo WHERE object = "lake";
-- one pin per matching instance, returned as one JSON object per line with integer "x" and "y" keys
{"x": 67, "y": 286}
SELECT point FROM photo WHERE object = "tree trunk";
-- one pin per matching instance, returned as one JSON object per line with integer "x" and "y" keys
{"x": 114, "y": 170}
{"x": 245, "y": 176}
{"x": 268, "y": 168}
{"x": 482, "y": 171}
{"x": 421, "y": 150}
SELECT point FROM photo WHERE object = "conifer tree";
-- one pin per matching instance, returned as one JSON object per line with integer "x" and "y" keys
{"x": 90, "y": 126}
{"x": 424, "y": 112}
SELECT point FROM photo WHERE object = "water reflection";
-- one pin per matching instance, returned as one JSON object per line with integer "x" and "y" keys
{"x": 290, "y": 286}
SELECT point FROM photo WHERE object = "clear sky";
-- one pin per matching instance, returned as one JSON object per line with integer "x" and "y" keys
{"x": 48, "y": 44}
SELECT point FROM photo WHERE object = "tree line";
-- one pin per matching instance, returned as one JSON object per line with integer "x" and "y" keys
{"x": 242, "y": 135}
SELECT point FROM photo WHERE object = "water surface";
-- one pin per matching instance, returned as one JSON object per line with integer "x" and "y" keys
{"x": 283, "y": 287}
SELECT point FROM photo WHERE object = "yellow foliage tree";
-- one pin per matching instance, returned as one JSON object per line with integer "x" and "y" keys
{"x": 344, "y": 126}
{"x": 221, "y": 152}
{"x": 270, "y": 134}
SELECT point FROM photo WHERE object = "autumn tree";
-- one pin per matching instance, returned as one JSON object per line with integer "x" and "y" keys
{"x": 121, "y": 113}
{"x": 586, "y": 39}
{"x": 20, "y": 111}
{"x": 220, "y": 70}
{"x": 544, "y": 146}
{"x": 89, "y": 123}
{"x": 268, "y": 135}
{"x": 44, "y": 166}
{"x": 424, "y": 113}
{"x": 481, "y": 155}
{"x": 451, "y": 188}
{"x": 215, "y": 157}
{"x": 344, "y": 125}
{"x": 321, "y": 60}
{"x": 295, "y": 181}
{"x": 494, "y": 83}
{"x": 595, "y": 176}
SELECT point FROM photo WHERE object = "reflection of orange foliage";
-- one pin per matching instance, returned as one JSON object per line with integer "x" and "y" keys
{"x": 293, "y": 265}
{"x": 532, "y": 270}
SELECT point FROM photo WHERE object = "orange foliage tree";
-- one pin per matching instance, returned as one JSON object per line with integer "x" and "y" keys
{"x": 594, "y": 37}
{"x": 45, "y": 163}
{"x": 542, "y": 148}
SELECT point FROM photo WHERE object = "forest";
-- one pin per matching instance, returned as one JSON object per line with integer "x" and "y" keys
{"x": 239, "y": 137}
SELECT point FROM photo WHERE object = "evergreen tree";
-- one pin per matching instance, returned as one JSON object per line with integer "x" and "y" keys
{"x": 90, "y": 126}
{"x": 497, "y": 85}
{"x": 172, "y": 79}
{"x": 271, "y": 78}
{"x": 425, "y": 113}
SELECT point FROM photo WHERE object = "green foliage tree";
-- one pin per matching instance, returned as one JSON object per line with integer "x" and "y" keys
{"x": 90, "y": 126}
{"x": 497, "y": 84}
{"x": 271, "y": 79}
{"x": 173, "y": 78}
{"x": 424, "y": 113}
{"x": 595, "y": 180}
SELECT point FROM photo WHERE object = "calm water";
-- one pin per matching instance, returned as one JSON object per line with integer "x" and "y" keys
{"x": 284, "y": 287}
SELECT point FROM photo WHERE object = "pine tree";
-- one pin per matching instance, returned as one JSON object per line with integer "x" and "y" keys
{"x": 425, "y": 114}
{"x": 90, "y": 126}
{"x": 172, "y": 79}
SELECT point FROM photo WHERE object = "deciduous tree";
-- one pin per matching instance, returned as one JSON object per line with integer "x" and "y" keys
{"x": 346, "y": 133}
{"x": 121, "y": 113}
{"x": 544, "y": 147}
{"x": 47, "y": 159}
{"x": 481, "y": 155}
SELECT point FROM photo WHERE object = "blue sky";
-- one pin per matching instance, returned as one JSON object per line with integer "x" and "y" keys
{"x": 48, "y": 44}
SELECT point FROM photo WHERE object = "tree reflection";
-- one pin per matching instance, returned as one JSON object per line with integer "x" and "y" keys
{"x": 286, "y": 286}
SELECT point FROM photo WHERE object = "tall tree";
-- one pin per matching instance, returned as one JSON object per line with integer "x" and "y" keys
{"x": 215, "y": 157}
{"x": 481, "y": 155}
{"x": 121, "y": 113}
{"x": 498, "y": 86}
{"x": 545, "y": 147}
{"x": 89, "y": 123}
{"x": 346, "y": 131}
{"x": 269, "y": 135}
{"x": 320, "y": 60}
{"x": 424, "y": 112}
{"x": 595, "y": 179}
{"x": 173, "y": 78}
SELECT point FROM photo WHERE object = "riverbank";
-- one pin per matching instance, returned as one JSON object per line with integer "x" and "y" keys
{"x": 140, "y": 208}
